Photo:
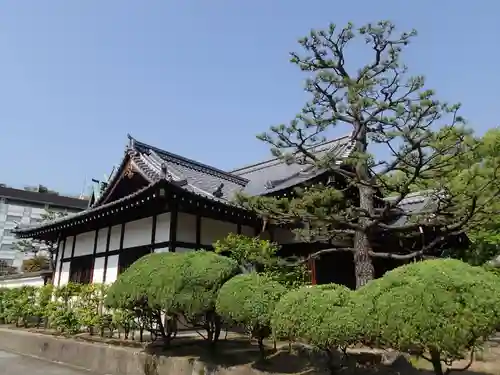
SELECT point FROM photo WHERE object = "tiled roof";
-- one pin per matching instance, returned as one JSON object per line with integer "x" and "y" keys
{"x": 413, "y": 203}
{"x": 156, "y": 165}
{"x": 275, "y": 175}
{"x": 201, "y": 178}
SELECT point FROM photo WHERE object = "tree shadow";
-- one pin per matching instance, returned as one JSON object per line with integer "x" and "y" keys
{"x": 301, "y": 360}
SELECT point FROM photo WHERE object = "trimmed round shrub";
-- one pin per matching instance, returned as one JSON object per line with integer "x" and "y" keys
{"x": 184, "y": 283}
{"x": 442, "y": 307}
{"x": 249, "y": 300}
{"x": 319, "y": 315}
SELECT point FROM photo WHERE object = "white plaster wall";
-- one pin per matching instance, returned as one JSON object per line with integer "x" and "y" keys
{"x": 64, "y": 274}
{"x": 186, "y": 227}
{"x": 138, "y": 233}
{"x": 102, "y": 237}
{"x": 162, "y": 250}
{"x": 247, "y": 231}
{"x": 69, "y": 247}
{"x": 213, "y": 230}
{"x": 112, "y": 270}
{"x": 283, "y": 236}
{"x": 114, "y": 240}
{"x": 98, "y": 273}
{"x": 182, "y": 250}
{"x": 84, "y": 243}
{"x": 25, "y": 281}
{"x": 162, "y": 227}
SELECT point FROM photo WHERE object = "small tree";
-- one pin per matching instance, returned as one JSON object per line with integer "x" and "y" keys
{"x": 300, "y": 313}
{"x": 253, "y": 253}
{"x": 249, "y": 300}
{"x": 37, "y": 263}
{"x": 35, "y": 248}
{"x": 438, "y": 309}
{"x": 388, "y": 112}
{"x": 175, "y": 284}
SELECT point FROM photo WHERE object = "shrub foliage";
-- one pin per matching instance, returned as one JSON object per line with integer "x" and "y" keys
{"x": 438, "y": 309}
{"x": 174, "y": 284}
{"x": 249, "y": 300}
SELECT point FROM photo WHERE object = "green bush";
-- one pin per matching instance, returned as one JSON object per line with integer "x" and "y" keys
{"x": 254, "y": 254}
{"x": 438, "y": 309}
{"x": 297, "y": 311}
{"x": 174, "y": 284}
{"x": 249, "y": 300}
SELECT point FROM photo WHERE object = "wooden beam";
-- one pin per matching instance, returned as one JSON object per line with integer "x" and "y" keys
{"x": 55, "y": 261}
{"x": 198, "y": 229}
{"x": 173, "y": 227}
{"x": 61, "y": 262}
{"x": 106, "y": 255}
{"x": 94, "y": 251}
{"x": 153, "y": 231}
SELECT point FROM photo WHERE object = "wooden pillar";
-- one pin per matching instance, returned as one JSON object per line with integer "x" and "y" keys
{"x": 108, "y": 239}
{"x": 173, "y": 227}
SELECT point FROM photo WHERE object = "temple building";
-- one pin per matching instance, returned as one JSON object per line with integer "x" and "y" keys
{"x": 158, "y": 201}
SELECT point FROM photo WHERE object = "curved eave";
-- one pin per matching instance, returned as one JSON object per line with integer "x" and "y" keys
{"x": 136, "y": 199}
{"x": 159, "y": 189}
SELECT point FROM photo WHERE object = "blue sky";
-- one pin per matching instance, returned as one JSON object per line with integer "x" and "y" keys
{"x": 198, "y": 77}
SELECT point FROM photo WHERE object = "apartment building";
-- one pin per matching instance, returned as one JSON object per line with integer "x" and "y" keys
{"x": 21, "y": 206}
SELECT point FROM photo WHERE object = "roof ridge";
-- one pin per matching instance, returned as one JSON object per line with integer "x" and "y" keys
{"x": 278, "y": 160}
{"x": 191, "y": 162}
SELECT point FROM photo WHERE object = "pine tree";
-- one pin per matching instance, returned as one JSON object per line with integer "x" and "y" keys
{"x": 404, "y": 139}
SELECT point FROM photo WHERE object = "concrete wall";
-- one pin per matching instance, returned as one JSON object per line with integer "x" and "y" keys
{"x": 103, "y": 359}
{"x": 35, "y": 281}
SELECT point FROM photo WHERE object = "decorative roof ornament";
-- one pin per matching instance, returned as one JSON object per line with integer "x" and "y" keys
{"x": 131, "y": 142}
{"x": 269, "y": 184}
{"x": 129, "y": 170}
{"x": 218, "y": 192}
{"x": 164, "y": 172}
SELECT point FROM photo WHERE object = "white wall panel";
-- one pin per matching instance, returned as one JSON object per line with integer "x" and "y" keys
{"x": 69, "y": 247}
{"x": 36, "y": 281}
{"x": 102, "y": 238}
{"x": 114, "y": 240}
{"x": 213, "y": 230}
{"x": 162, "y": 250}
{"x": 64, "y": 274}
{"x": 138, "y": 233}
{"x": 162, "y": 227}
{"x": 186, "y": 227}
{"x": 182, "y": 250}
{"x": 84, "y": 244}
{"x": 98, "y": 273}
{"x": 112, "y": 269}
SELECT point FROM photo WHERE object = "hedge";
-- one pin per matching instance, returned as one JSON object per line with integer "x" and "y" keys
{"x": 436, "y": 309}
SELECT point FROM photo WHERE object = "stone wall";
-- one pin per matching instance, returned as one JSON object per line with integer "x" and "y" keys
{"x": 106, "y": 359}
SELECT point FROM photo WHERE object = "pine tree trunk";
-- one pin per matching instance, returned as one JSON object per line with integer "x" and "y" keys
{"x": 363, "y": 265}
{"x": 436, "y": 362}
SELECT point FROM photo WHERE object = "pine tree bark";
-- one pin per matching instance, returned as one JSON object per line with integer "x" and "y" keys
{"x": 363, "y": 264}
